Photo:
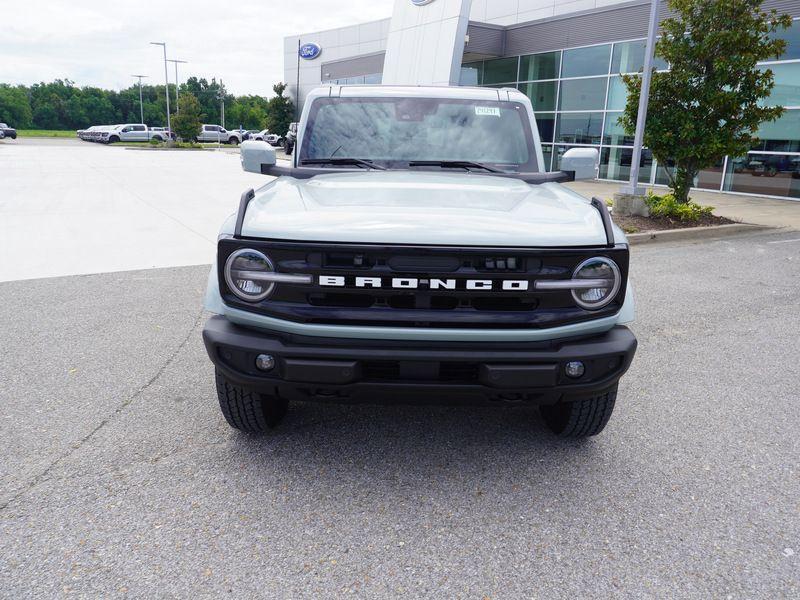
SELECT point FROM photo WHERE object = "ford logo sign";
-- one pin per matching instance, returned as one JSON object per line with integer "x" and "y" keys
{"x": 420, "y": 2}
{"x": 310, "y": 51}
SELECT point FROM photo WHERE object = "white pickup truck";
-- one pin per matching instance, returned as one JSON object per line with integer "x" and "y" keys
{"x": 127, "y": 132}
{"x": 216, "y": 133}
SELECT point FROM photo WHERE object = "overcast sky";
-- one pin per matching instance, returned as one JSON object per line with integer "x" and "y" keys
{"x": 103, "y": 42}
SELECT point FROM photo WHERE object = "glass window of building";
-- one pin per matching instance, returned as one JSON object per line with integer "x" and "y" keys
{"x": 613, "y": 132}
{"x": 583, "y": 94}
{"x": 542, "y": 94}
{"x": 766, "y": 174}
{"x": 782, "y": 135}
{"x": 500, "y": 70}
{"x": 539, "y": 66}
{"x": 546, "y": 122}
{"x": 547, "y": 152}
{"x": 787, "y": 85}
{"x": 707, "y": 179}
{"x": 471, "y": 74}
{"x": 615, "y": 163}
{"x": 579, "y": 128}
{"x": 628, "y": 57}
{"x": 792, "y": 37}
{"x": 582, "y": 62}
{"x": 617, "y": 93}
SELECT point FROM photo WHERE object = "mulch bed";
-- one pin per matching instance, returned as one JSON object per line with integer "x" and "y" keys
{"x": 632, "y": 224}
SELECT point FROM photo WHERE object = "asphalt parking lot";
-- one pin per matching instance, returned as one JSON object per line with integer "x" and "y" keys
{"x": 120, "y": 478}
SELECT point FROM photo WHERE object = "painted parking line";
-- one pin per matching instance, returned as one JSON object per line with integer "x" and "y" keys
{"x": 785, "y": 241}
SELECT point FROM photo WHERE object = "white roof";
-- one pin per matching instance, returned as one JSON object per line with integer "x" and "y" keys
{"x": 398, "y": 91}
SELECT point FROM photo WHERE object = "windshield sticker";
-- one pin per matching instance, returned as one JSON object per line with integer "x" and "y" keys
{"x": 487, "y": 111}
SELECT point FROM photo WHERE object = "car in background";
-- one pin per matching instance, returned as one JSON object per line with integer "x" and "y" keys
{"x": 249, "y": 133}
{"x": 265, "y": 136}
{"x": 2, "y": 134}
{"x": 8, "y": 132}
{"x": 216, "y": 133}
{"x": 170, "y": 134}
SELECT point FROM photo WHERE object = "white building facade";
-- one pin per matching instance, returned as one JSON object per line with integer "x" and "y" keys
{"x": 566, "y": 56}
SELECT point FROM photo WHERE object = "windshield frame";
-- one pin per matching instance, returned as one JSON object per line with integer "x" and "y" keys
{"x": 532, "y": 166}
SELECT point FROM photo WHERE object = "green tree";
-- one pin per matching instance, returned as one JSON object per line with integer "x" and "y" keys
{"x": 712, "y": 100}
{"x": 186, "y": 124}
{"x": 280, "y": 111}
{"x": 15, "y": 109}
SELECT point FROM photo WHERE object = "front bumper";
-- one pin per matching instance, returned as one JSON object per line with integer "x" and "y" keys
{"x": 381, "y": 371}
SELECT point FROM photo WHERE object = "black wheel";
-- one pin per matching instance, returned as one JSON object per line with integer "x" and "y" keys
{"x": 113, "y": 139}
{"x": 233, "y": 141}
{"x": 580, "y": 418}
{"x": 158, "y": 138}
{"x": 248, "y": 410}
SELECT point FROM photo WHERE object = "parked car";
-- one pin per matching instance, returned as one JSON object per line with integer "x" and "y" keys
{"x": 8, "y": 132}
{"x": 215, "y": 133}
{"x": 290, "y": 138}
{"x": 170, "y": 134}
{"x": 437, "y": 262}
{"x": 265, "y": 136}
{"x": 127, "y": 132}
{"x": 249, "y": 133}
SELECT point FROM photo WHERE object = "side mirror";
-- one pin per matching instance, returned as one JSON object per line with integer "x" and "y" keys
{"x": 255, "y": 154}
{"x": 581, "y": 161}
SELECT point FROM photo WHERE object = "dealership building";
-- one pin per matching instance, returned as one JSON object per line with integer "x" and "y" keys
{"x": 566, "y": 56}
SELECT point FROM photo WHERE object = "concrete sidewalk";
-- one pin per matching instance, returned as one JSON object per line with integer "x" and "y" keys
{"x": 744, "y": 209}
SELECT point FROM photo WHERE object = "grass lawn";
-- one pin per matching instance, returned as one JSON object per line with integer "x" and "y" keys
{"x": 45, "y": 133}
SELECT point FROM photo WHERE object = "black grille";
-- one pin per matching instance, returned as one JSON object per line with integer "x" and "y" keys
{"x": 423, "y": 307}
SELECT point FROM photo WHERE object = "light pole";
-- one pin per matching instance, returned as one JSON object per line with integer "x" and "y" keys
{"x": 141, "y": 104}
{"x": 633, "y": 188}
{"x": 166, "y": 79}
{"x": 177, "y": 104}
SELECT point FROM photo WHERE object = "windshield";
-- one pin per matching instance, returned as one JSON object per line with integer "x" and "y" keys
{"x": 398, "y": 131}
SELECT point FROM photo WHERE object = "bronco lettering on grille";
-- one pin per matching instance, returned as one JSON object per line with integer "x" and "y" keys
{"x": 414, "y": 283}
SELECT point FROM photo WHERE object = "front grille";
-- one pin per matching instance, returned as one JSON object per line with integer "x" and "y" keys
{"x": 422, "y": 307}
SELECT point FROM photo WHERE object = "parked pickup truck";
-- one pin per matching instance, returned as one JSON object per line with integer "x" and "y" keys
{"x": 434, "y": 261}
{"x": 215, "y": 133}
{"x": 8, "y": 132}
{"x": 265, "y": 136}
{"x": 127, "y": 132}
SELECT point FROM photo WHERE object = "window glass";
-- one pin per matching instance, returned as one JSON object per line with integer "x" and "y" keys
{"x": 501, "y": 70}
{"x": 539, "y": 66}
{"x": 787, "y": 85}
{"x": 401, "y": 130}
{"x": 707, "y": 179}
{"x": 581, "y": 62}
{"x": 542, "y": 94}
{"x": 615, "y": 163}
{"x": 782, "y": 135}
{"x": 613, "y": 133}
{"x": 374, "y": 79}
{"x": 579, "y": 128}
{"x": 547, "y": 152}
{"x": 628, "y": 57}
{"x": 617, "y": 93}
{"x": 583, "y": 94}
{"x": 471, "y": 74}
{"x": 546, "y": 123}
{"x": 768, "y": 174}
{"x": 792, "y": 37}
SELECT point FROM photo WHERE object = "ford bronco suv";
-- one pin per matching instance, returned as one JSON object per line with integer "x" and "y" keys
{"x": 415, "y": 249}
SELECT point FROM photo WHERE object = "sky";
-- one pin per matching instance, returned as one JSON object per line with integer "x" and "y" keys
{"x": 103, "y": 42}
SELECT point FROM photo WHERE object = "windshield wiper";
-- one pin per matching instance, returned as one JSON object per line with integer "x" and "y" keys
{"x": 360, "y": 162}
{"x": 453, "y": 164}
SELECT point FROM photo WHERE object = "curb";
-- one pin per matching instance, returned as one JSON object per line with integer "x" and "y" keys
{"x": 695, "y": 233}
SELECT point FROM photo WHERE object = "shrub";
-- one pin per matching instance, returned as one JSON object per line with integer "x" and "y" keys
{"x": 669, "y": 207}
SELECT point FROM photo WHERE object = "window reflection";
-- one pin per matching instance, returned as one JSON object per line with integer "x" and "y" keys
{"x": 583, "y": 94}
{"x": 767, "y": 174}
{"x": 581, "y": 62}
{"x": 579, "y": 128}
{"x": 539, "y": 66}
{"x": 542, "y": 94}
{"x": 615, "y": 163}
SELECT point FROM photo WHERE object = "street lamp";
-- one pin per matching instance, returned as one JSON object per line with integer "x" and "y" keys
{"x": 175, "y": 62}
{"x": 166, "y": 79}
{"x": 141, "y": 104}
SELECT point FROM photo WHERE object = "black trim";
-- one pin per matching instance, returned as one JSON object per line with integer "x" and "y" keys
{"x": 247, "y": 197}
{"x": 606, "y": 217}
{"x": 309, "y": 172}
{"x": 377, "y": 371}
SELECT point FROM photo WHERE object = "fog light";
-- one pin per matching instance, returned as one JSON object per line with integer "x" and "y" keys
{"x": 575, "y": 369}
{"x": 265, "y": 362}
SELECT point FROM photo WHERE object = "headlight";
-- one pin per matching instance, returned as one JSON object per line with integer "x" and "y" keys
{"x": 244, "y": 274}
{"x": 602, "y": 282}
{"x": 251, "y": 276}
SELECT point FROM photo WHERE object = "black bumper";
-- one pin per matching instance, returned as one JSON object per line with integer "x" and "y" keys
{"x": 386, "y": 371}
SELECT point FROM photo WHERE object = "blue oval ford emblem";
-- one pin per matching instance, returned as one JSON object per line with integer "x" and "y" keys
{"x": 420, "y": 2}
{"x": 310, "y": 51}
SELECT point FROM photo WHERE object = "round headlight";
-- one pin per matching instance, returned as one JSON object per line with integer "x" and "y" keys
{"x": 242, "y": 270}
{"x": 606, "y": 281}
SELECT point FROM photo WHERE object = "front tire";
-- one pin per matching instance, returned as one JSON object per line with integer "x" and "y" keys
{"x": 580, "y": 418}
{"x": 233, "y": 141}
{"x": 113, "y": 139}
{"x": 246, "y": 409}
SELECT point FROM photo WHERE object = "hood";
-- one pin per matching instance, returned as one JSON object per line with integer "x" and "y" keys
{"x": 424, "y": 208}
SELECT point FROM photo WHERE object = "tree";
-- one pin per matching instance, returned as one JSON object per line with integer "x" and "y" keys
{"x": 186, "y": 124}
{"x": 14, "y": 106}
{"x": 711, "y": 101}
{"x": 280, "y": 111}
